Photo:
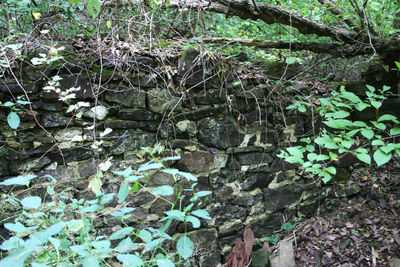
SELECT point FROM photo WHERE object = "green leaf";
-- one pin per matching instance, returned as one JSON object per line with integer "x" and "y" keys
{"x": 388, "y": 117}
{"x": 378, "y": 125}
{"x": 370, "y": 88}
{"x": 326, "y": 142}
{"x": 92, "y": 208}
{"x": 75, "y": 225}
{"x": 165, "y": 263}
{"x": 359, "y": 124}
{"x": 362, "y": 106}
{"x": 339, "y": 124}
{"x": 150, "y": 166}
{"x": 176, "y": 214}
{"x": 93, "y": 7}
{"x": 91, "y": 261}
{"x": 364, "y": 158}
{"x": 326, "y": 177}
{"x": 145, "y": 236}
{"x": 195, "y": 222}
{"x": 121, "y": 233}
{"x": 375, "y": 104}
{"x": 381, "y": 158}
{"x": 125, "y": 173}
{"x": 81, "y": 250}
{"x": 171, "y": 158}
{"x": 349, "y": 96}
{"x": 15, "y": 227}
{"x": 185, "y": 247}
{"x": 188, "y": 176}
{"x": 164, "y": 190}
{"x": 367, "y": 133}
{"x": 13, "y": 120}
{"x": 31, "y": 202}
{"x": 17, "y": 258}
{"x": 130, "y": 260}
{"x": 290, "y": 60}
{"x": 395, "y": 131}
{"x": 125, "y": 246}
{"x": 295, "y": 151}
{"x": 338, "y": 114}
{"x": 331, "y": 170}
{"x": 378, "y": 143}
{"x": 201, "y": 214}
{"x": 123, "y": 192}
{"x": 74, "y": 1}
{"x": 388, "y": 148}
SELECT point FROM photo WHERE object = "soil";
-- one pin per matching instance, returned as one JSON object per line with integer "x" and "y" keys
{"x": 361, "y": 230}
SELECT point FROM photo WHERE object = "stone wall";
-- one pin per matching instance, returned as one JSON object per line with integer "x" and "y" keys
{"x": 227, "y": 133}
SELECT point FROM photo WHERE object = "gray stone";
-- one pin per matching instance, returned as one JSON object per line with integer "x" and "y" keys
{"x": 53, "y": 120}
{"x": 98, "y": 112}
{"x": 136, "y": 115}
{"x": 254, "y": 158}
{"x": 132, "y": 141}
{"x": 202, "y": 161}
{"x": 276, "y": 199}
{"x": 161, "y": 178}
{"x": 348, "y": 190}
{"x": 260, "y": 258}
{"x": 259, "y": 180}
{"x": 394, "y": 262}
{"x": 220, "y": 133}
{"x": 33, "y": 165}
{"x": 198, "y": 113}
{"x": 187, "y": 126}
{"x": 162, "y": 100}
{"x": 127, "y": 96}
{"x": 16, "y": 89}
{"x": 286, "y": 256}
{"x": 53, "y": 106}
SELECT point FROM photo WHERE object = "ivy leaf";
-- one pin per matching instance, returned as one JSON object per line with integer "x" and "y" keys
{"x": 195, "y": 222}
{"x": 91, "y": 261}
{"x": 201, "y": 214}
{"x": 123, "y": 192}
{"x": 367, "y": 133}
{"x": 121, "y": 233}
{"x": 13, "y": 120}
{"x": 381, "y": 157}
{"x": 185, "y": 247}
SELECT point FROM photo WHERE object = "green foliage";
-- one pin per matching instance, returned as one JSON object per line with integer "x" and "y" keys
{"x": 340, "y": 135}
{"x": 60, "y": 232}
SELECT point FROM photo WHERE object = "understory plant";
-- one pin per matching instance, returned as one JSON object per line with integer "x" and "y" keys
{"x": 61, "y": 232}
{"x": 340, "y": 135}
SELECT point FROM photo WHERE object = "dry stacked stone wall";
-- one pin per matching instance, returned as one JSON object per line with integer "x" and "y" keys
{"x": 227, "y": 134}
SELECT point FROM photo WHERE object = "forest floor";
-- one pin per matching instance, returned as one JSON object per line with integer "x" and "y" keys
{"x": 362, "y": 230}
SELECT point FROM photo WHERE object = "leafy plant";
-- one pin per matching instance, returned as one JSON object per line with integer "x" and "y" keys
{"x": 59, "y": 232}
{"x": 340, "y": 135}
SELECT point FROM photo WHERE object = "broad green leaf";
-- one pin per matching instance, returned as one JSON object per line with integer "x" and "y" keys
{"x": 95, "y": 183}
{"x": 185, "y": 247}
{"x": 125, "y": 246}
{"x": 188, "y": 176}
{"x": 388, "y": 148}
{"x": 125, "y": 173}
{"x": 326, "y": 177}
{"x": 17, "y": 258}
{"x": 339, "y": 124}
{"x": 395, "y": 131}
{"x": 151, "y": 166}
{"x": 374, "y": 103}
{"x": 377, "y": 142}
{"x": 367, "y": 133}
{"x": 133, "y": 178}
{"x": 388, "y": 117}
{"x": 19, "y": 180}
{"x": 310, "y": 148}
{"x": 13, "y": 243}
{"x": 370, "y": 88}
{"x": 92, "y": 208}
{"x": 201, "y": 214}
{"x": 349, "y": 96}
{"x": 381, "y": 158}
{"x": 91, "y": 261}
{"x": 15, "y": 227}
{"x": 31, "y": 202}
{"x": 364, "y": 158}
{"x": 326, "y": 142}
{"x": 13, "y": 120}
{"x": 145, "y": 236}
{"x": 55, "y": 228}
{"x": 290, "y": 60}
{"x": 102, "y": 246}
{"x": 55, "y": 242}
{"x": 123, "y": 192}
{"x": 156, "y": 243}
{"x": 331, "y": 170}
{"x": 93, "y": 7}
{"x": 359, "y": 124}
{"x": 165, "y": 263}
{"x": 362, "y": 106}
{"x": 121, "y": 233}
{"x": 176, "y": 214}
{"x": 81, "y": 250}
{"x": 195, "y": 221}
{"x": 164, "y": 190}
{"x": 75, "y": 225}
{"x": 107, "y": 198}
{"x": 338, "y": 114}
